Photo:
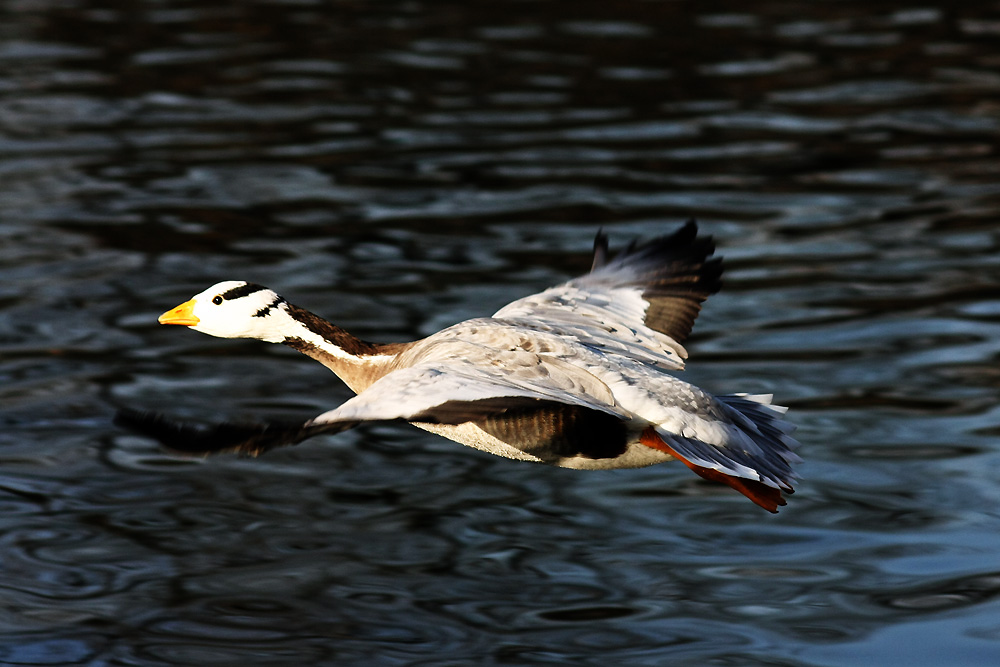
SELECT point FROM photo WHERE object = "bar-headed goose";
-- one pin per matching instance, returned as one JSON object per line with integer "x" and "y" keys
{"x": 577, "y": 376}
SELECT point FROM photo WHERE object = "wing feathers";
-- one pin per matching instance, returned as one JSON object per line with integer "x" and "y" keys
{"x": 641, "y": 304}
{"x": 542, "y": 428}
{"x": 675, "y": 274}
{"x": 248, "y": 439}
{"x": 600, "y": 250}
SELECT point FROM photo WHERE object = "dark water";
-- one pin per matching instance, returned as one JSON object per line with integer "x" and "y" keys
{"x": 399, "y": 166}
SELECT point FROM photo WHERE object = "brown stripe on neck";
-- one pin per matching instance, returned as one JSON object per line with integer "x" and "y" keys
{"x": 370, "y": 361}
{"x": 330, "y": 332}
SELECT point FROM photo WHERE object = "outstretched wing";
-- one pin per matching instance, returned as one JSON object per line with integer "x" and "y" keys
{"x": 452, "y": 391}
{"x": 244, "y": 438}
{"x": 642, "y": 304}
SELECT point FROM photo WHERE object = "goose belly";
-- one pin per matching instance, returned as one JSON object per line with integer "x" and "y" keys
{"x": 472, "y": 436}
{"x": 635, "y": 455}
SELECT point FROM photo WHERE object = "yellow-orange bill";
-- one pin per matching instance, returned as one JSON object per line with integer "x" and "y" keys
{"x": 182, "y": 314}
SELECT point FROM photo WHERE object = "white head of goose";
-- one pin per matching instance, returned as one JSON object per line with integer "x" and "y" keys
{"x": 575, "y": 376}
{"x": 231, "y": 309}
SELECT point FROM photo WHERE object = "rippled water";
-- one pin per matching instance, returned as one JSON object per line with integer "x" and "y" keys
{"x": 399, "y": 166}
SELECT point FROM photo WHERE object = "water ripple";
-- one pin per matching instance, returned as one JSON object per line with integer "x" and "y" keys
{"x": 400, "y": 167}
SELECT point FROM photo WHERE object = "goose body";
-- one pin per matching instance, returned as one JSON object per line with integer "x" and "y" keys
{"x": 578, "y": 376}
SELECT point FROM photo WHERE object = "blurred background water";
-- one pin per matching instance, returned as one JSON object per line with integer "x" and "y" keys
{"x": 402, "y": 165}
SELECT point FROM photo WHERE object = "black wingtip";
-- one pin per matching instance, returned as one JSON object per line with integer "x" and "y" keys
{"x": 248, "y": 439}
{"x": 677, "y": 272}
{"x": 684, "y": 243}
{"x": 600, "y": 250}
{"x": 687, "y": 235}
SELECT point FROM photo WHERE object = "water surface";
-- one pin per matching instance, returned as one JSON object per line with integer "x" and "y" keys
{"x": 400, "y": 166}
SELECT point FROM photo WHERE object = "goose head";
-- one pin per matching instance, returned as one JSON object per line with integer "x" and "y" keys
{"x": 234, "y": 309}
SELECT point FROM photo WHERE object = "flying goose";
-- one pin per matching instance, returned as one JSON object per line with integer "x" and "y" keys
{"x": 577, "y": 376}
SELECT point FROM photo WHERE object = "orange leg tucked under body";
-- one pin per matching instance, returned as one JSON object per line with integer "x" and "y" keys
{"x": 766, "y": 496}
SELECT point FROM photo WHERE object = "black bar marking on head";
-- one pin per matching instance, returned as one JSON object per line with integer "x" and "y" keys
{"x": 266, "y": 310}
{"x": 242, "y": 291}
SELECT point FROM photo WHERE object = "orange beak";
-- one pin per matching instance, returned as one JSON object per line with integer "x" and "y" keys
{"x": 182, "y": 314}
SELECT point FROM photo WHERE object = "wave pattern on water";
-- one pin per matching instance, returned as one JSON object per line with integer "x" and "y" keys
{"x": 398, "y": 167}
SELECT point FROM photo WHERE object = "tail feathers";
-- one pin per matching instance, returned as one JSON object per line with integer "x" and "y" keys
{"x": 756, "y": 458}
{"x": 761, "y": 494}
{"x": 763, "y": 417}
{"x": 248, "y": 439}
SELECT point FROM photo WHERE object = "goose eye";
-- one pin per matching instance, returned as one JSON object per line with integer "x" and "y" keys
{"x": 217, "y": 300}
